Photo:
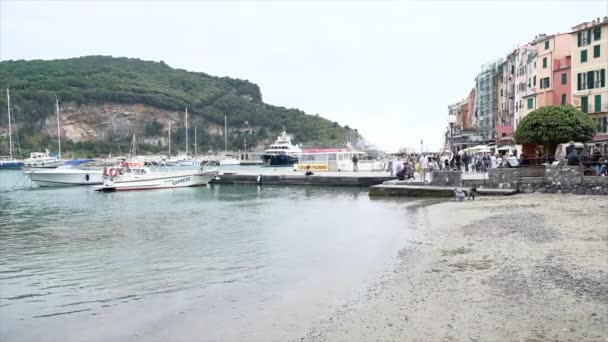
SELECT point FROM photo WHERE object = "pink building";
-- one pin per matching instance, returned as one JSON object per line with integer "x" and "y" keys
{"x": 562, "y": 81}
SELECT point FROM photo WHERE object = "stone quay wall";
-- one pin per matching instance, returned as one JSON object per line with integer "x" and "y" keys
{"x": 552, "y": 179}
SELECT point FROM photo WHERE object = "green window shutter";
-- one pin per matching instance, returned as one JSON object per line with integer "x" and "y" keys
{"x": 530, "y": 103}
{"x": 579, "y": 39}
{"x": 598, "y": 103}
{"x": 534, "y": 82}
{"x": 583, "y": 56}
{"x": 584, "y": 104}
{"x": 578, "y": 81}
{"x": 546, "y": 45}
{"x": 563, "y": 99}
{"x": 597, "y": 33}
{"x": 596, "y": 51}
{"x": 564, "y": 78}
{"x": 590, "y": 83}
{"x": 545, "y": 62}
{"x": 603, "y": 78}
{"x": 548, "y": 82}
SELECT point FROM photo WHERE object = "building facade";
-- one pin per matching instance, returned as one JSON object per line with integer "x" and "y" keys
{"x": 589, "y": 64}
{"x": 549, "y": 48}
{"x": 562, "y": 81}
{"x": 486, "y": 100}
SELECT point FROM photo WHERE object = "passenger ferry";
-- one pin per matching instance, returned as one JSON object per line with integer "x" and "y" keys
{"x": 337, "y": 160}
{"x": 282, "y": 152}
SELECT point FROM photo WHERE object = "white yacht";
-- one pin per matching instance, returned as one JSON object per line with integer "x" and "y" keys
{"x": 134, "y": 176}
{"x": 282, "y": 152}
{"x": 70, "y": 173}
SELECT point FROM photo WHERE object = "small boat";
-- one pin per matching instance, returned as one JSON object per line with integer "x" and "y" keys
{"x": 71, "y": 173}
{"x": 230, "y": 160}
{"x": 134, "y": 176}
{"x": 282, "y": 152}
{"x": 42, "y": 160}
{"x": 8, "y": 163}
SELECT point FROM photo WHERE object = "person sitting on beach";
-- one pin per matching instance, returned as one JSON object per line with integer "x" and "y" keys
{"x": 472, "y": 193}
{"x": 459, "y": 195}
{"x": 308, "y": 171}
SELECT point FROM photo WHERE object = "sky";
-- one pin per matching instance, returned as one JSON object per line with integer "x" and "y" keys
{"x": 389, "y": 69}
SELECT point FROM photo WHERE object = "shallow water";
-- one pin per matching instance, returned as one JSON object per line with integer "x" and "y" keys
{"x": 231, "y": 262}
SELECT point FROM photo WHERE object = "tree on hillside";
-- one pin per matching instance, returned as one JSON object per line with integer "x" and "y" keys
{"x": 552, "y": 125}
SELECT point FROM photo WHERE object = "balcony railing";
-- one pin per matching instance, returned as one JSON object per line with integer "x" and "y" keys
{"x": 561, "y": 63}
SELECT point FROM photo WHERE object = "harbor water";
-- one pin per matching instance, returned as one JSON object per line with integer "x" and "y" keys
{"x": 230, "y": 262}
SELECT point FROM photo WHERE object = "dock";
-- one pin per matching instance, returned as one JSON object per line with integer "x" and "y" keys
{"x": 418, "y": 190}
{"x": 290, "y": 177}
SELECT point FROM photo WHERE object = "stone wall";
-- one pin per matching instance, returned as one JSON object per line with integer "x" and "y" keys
{"x": 446, "y": 178}
{"x": 554, "y": 179}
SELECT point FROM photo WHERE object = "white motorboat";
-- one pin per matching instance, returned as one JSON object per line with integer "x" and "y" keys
{"x": 133, "y": 176}
{"x": 42, "y": 160}
{"x": 72, "y": 172}
{"x": 229, "y": 160}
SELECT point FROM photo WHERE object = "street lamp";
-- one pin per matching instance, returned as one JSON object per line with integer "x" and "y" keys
{"x": 451, "y": 121}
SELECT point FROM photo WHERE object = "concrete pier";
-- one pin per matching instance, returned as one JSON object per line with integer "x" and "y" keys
{"x": 430, "y": 191}
{"x": 289, "y": 177}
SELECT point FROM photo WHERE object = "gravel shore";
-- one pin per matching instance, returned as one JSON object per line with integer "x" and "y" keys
{"x": 525, "y": 268}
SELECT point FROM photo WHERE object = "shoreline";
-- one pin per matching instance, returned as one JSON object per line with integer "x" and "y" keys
{"x": 524, "y": 267}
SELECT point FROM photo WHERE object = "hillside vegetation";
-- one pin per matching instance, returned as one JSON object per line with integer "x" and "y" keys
{"x": 103, "y": 79}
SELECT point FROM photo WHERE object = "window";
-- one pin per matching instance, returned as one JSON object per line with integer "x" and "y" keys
{"x": 598, "y": 103}
{"x": 596, "y": 51}
{"x": 534, "y": 82}
{"x": 590, "y": 80}
{"x": 545, "y": 83}
{"x": 564, "y": 78}
{"x": 564, "y": 98}
{"x": 602, "y": 125}
{"x": 597, "y": 33}
{"x": 545, "y": 61}
{"x": 584, "y": 104}
{"x": 584, "y": 38}
{"x": 531, "y": 103}
{"x": 500, "y": 92}
{"x": 583, "y": 56}
{"x": 546, "y": 45}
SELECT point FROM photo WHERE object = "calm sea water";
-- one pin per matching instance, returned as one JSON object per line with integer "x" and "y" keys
{"x": 230, "y": 262}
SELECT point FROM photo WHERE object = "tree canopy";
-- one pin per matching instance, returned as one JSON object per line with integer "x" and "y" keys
{"x": 552, "y": 125}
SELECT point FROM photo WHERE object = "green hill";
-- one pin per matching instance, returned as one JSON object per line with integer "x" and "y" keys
{"x": 103, "y": 79}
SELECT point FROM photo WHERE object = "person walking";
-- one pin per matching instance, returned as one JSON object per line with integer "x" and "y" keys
{"x": 355, "y": 161}
{"x": 424, "y": 165}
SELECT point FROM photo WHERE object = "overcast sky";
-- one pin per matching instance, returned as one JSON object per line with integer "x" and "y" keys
{"x": 389, "y": 69}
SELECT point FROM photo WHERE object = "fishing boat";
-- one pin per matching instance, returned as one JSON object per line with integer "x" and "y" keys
{"x": 7, "y": 162}
{"x": 71, "y": 173}
{"x": 282, "y": 152}
{"x": 135, "y": 176}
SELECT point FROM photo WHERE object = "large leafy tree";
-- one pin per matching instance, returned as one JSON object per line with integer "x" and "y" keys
{"x": 553, "y": 125}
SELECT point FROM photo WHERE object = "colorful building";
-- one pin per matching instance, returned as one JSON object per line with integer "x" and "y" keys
{"x": 550, "y": 48}
{"x": 589, "y": 61}
{"x": 521, "y": 82}
{"x": 562, "y": 81}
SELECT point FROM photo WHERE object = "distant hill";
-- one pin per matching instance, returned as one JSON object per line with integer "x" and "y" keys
{"x": 93, "y": 90}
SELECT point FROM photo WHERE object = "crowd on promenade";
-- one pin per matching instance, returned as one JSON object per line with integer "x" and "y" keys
{"x": 420, "y": 166}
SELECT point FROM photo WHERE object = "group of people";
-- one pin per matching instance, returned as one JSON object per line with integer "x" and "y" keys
{"x": 595, "y": 160}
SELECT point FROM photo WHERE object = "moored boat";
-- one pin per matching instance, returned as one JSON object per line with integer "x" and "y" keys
{"x": 134, "y": 176}
{"x": 70, "y": 173}
{"x": 7, "y": 162}
{"x": 282, "y": 152}
{"x": 42, "y": 160}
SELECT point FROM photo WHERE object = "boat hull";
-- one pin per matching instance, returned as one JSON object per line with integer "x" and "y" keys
{"x": 279, "y": 160}
{"x": 230, "y": 161}
{"x": 66, "y": 177}
{"x": 43, "y": 164}
{"x": 10, "y": 165}
{"x": 159, "y": 182}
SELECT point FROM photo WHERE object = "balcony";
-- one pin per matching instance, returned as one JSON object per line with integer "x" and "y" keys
{"x": 561, "y": 63}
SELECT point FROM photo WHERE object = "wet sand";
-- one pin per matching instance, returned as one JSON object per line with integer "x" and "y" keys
{"x": 525, "y": 267}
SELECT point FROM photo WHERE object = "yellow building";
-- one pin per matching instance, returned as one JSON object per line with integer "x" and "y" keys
{"x": 589, "y": 64}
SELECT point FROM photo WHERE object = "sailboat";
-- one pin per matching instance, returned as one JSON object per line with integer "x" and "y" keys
{"x": 187, "y": 159}
{"x": 228, "y": 159}
{"x": 9, "y": 162}
{"x": 45, "y": 160}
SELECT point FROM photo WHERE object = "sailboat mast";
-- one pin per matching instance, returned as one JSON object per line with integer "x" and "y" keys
{"x": 225, "y": 135}
{"x": 186, "y": 130}
{"x": 169, "y": 139}
{"x": 10, "y": 139}
{"x": 58, "y": 130}
{"x": 195, "y": 140}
